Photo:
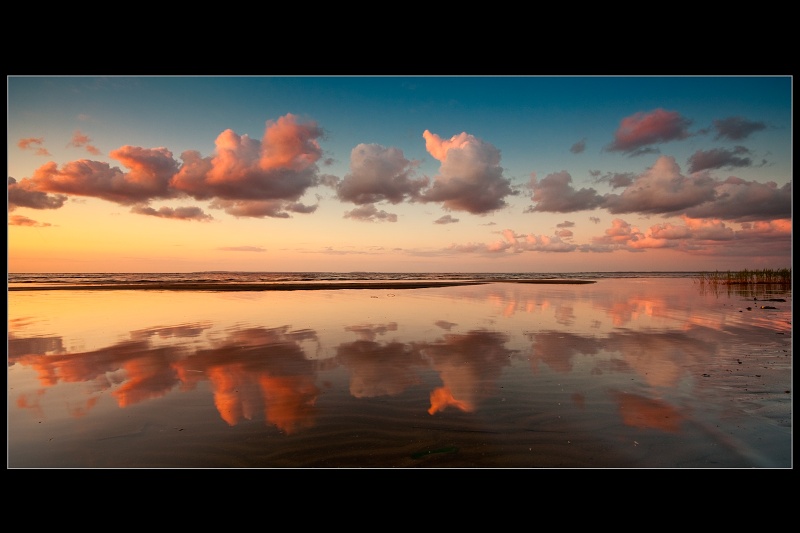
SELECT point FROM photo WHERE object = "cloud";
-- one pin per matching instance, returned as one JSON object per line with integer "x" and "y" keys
{"x": 379, "y": 174}
{"x": 516, "y": 243}
{"x": 740, "y": 200}
{"x": 180, "y": 213}
{"x": 470, "y": 176}
{"x": 31, "y": 142}
{"x": 242, "y": 249}
{"x": 244, "y": 176}
{"x": 565, "y": 224}
{"x": 149, "y": 177}
{"x": 21, "y": 195}
{"x": 616, "y": 179}
{"x": 578, "y": 147}
{"x": 637, "y": 132}
{"x": 369, "y": 213}
{"x": 620, "y": 234}
{"x": 281, "y": 167}
{"x": 555, "y": 194}
{"x": 261, "y": 208}
{"x": 660, "y": 190}
{"x": 719, "y": 158}
{"x": 699, "y": 237}
{"x": 736, "y": 128}
{"x": 19, "y": 220}
{"x": 79, "y": 139}
{"x": 446, "y": 219}
{"x": 663, "y": 190}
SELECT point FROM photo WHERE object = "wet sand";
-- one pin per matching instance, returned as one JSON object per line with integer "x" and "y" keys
{"x": 633, "y": 373}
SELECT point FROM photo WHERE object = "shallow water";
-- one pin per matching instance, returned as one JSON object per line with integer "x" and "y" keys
{"x": 622, "y": 373}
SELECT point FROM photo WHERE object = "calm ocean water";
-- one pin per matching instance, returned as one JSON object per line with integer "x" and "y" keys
{"x": 21, "y": 279}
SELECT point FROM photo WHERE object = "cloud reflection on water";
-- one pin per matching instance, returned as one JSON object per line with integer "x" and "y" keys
{"x": 280, "y": 372}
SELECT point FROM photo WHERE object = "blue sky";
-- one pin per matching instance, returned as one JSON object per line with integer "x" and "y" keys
{"x": 398, "y": 173}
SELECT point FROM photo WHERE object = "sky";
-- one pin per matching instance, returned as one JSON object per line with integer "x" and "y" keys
{"x": 540, "y": 174}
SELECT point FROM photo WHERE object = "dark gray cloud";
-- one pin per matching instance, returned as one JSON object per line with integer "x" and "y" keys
{"x": 719, "y": 158}
{"x": 578, "y": 147}
{"x": 616, "y": 179}
{"x": 446, "y": 219}
{"x": 179, "y": 213}
{"x": 369, "y": 213}
{"x": 663, "y": 190}
{"x": 555, "y": 194}
{"x": 736, "y": 128}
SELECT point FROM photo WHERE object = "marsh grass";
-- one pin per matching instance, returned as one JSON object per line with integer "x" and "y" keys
{"x": 746, "y": 282}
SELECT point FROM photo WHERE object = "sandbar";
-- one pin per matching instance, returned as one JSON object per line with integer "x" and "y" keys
{"x": 290, "y": 286}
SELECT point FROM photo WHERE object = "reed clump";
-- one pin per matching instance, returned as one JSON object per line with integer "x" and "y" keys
{"x": 767, "y": 276}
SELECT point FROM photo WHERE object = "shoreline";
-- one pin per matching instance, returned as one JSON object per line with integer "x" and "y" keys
{"x": 291, "y": 286}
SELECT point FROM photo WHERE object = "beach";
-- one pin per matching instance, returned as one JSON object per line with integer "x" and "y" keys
{"x": 539, "y": 373}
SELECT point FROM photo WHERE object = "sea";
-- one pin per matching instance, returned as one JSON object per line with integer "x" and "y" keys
{"x": 106, "y": 278}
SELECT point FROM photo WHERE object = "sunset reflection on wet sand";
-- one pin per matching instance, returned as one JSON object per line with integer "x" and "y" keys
{"x": 623, "y": 373}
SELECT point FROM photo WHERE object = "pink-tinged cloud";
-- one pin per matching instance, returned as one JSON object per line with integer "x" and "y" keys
{"x": 246, "y": 177}
{"x": 662, "y": 190}
{"x": 28, "y": 142}
{"x": 279, "y": 168}
{"x": 736, "y": 128}
{"x": 369, "y": 213}
{"x": 379, "y": 174}
{"x": 19, "y": 220}
{"x": 699, "y": 237}
{"x": 555, "y": 194}
{"x": 149, "y": 176}
{"x": 22, "y": 195}
{"x": 33, "y": 142}
{"x": 543, "y": 243}
{"x": 641, "y": 130}
{"x": 702, "y": 229}
{"x": 516, "y": 243}
{"x": 620, "y": 233}
{"x": 446, "y": 219}
{"x": 719, "y": 158}
{"x": 179, "y": 213}
{"x": 509, "y": 236}
{"x": 79, "y": 139}
{"x": 767, "y": 228}
{"x": 438, "y": 147}
{"x": 470, "y": 176}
